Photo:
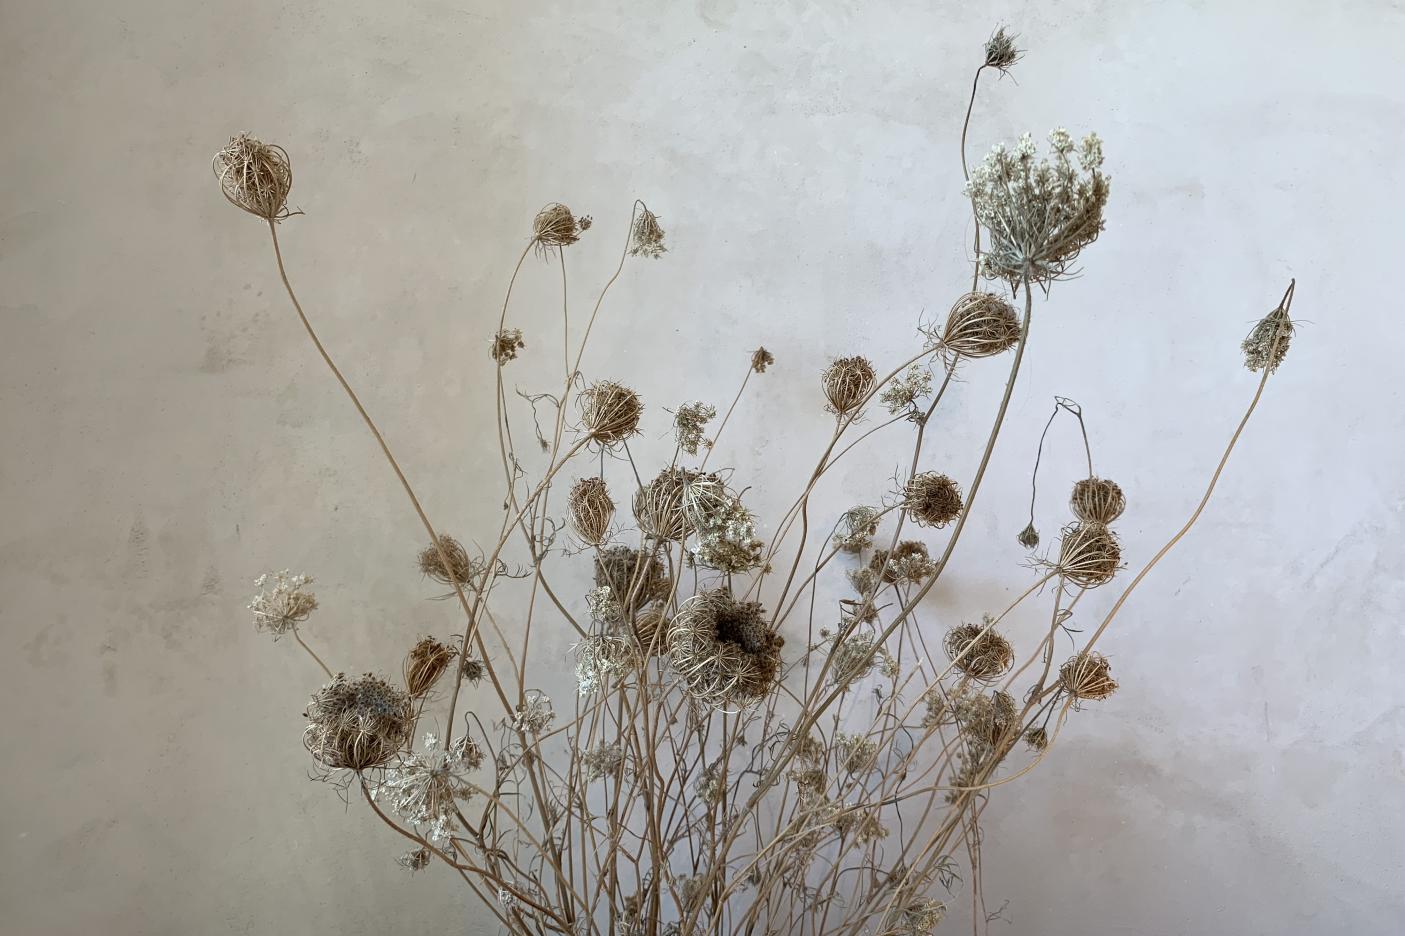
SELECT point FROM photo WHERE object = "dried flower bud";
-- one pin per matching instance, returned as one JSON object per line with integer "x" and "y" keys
{"x": 1097, "y": 500}
{"x": 610, "y": 412}
{"x": 646, "y": 240}
{"x": 847, "y": 384}
{"x": 932, "y": 499}
{"x": 1037, "y": 739}
{"x": 762, "y": 359}
{"x": 1267, "y": 345}
{"x": 1029, "y": 536}
{"x": 255, "y": 176}
{"x": 1087, "y": 676}
{"x": 591, "y": 510}
{"x": 506, "y": 344}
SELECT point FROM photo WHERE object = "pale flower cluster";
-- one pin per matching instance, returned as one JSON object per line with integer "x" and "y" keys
{"x": 282, "y": 603}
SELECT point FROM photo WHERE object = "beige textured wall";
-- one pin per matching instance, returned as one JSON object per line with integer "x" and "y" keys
{"x": 168, "y": 433}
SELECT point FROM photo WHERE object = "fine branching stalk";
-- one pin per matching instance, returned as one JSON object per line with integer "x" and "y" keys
{"x": 765, "y": 725}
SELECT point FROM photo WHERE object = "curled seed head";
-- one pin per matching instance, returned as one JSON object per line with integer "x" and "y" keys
{"x": 1089, "y": 554}
{"x": 1097, "y": 500}
{"x": 425, "y": 663}
{"x": 1087, "y": 676}
{"x": 591, "y": 510}
{"x": 980, "y": 324}
{"x": 610, "y": 412}
{"x": 847, "y": 384}
{"x": 255, "y": 176}
{"x": 932, "y": 499}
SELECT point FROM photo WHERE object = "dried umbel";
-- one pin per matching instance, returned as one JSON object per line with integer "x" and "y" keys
{"x": 903, "y": 393}
{"x": 610, "y": 412}
{"x": 1037, "y": 738}
{"x": 1087, "y": 676}
{"x": 725, "y": 528}
{"x": 425, "y": 663}
{"x": 1267, "y": 344}
{"x": 651, "y": 630}
{"x": 416, "y": 860}
{"x": 590, "y": 510}
{"x": 689, "y": 424}
{"x": 658, "y": 505}
{"x": 1089, "y": 554}
{"x": 847, "y": 383}
{"x": 986, "y": 721}
{"x": 255, "y": 176}
{"x": 1097, "y": 500}
{"x": 506, "y": 344}
{"x": 449, "y": 563}
{"x": 761, "y": 359}
{"x": 1000, "y": 51}
{"x": 358, "y": 724}
{"x": 978, "y": 651}
{"x": 722, "y": 650}
{"x": 646, "y": 238}
{"x": 282, "y": 602}
{"x": 932, "y": 499}
{"x": 979, "y": 325}
{"x": 555, "y": 226}
{"x": 1039, "y": 213}
{"x": 634, "y": 577}
{"x": 605, "y": 659}
{"x": 425, "y": 787}
{"x": 856, "y": 529}
{"x": 908, "y": 562}
{"x": 853, "y": 656}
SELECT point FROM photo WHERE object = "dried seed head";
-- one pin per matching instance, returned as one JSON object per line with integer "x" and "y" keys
{"x": 610, "y": 412}
{"x": 358, "y": 724}
{"x": 932, "y": 499}
{"x": 847, "y": 384}
{"x": 449, "y": 563}
{"x": 605, "y": 659}
{"x": 1040, "y": 213}
{"x": 980, "y": 324}
{"x": 1089, "y": 554}
{"x": 555, "y": 226}
{"x": 978, "y": 651}
{"x": 472, "y": 669}
{"x": 1029, "y": 537}
{"x": 416, "y": 860}
{"x": 762, "y": 359}
{"x": 1267, "y": 345}
{"x": 1037, "y": 739}
{"x": 1000, "y": 51}
{"x": 255, "y": 176}
{"x": 725, "y": 528}
{"x": 658, "y": 506}
{"x": 590, "y": 510}
{"x": 985, "y": 720}
{"x": 506, "y": 344}
{"x": 646, "y": 240}
{"x": 651, "y": 630}
{"x": 282, "y": 602}
{"x": 425, "y": 663}
{"x": 1097, "y": 500}
{"x": 722, "y": 650}
{"x": 634, "y": 577}
{"x": 1087, "y": 676}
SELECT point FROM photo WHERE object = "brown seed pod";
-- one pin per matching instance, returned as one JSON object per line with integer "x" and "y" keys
{"x": 610, "y": 412}
{"x": 1087, "y": 676}
{"x": 1097, "y": 500}
{"x": 555, "y": 226}
{"x": 590, "y": 510}
{"x": 635, "y": 578}
{"x": 980, "y": 324}
{"x": 932, "y": 499}
{"x": 1089, "y": 554}
{"x": 460, "y": 568}
{"x": 425, "y": 663}
{"x": 847, "y": 384}
{"x": 981, "y": 656}
{"x": 722, "y": 650}
{"x": 358, "y": 724}
{"x": 255, "y": 176}
{"x": 762, "y": 359}
{"x": 659, "y": 507}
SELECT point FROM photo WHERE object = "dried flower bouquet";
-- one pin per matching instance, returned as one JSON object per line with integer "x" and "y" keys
{"x": 728, "y": 766}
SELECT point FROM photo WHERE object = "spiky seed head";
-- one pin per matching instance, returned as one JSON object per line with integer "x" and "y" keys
{"x": 1000, "y": 51}
{"x": 847, "y": 383}
{"x": 1029, "y": 536}
{"x": 978, "y": 651}
{"x": 255, "y": 176}
{"x": 1097, "y": 500}
{"x": 610, "y": 412}
{"x": 1089, "y": 554}
{"x": 425, "y": 663}
{"x": 979, "y": 325}
{"x": 448, "y": 563}
{"x": 590, "y": 510}
{"x": 555, "y": 226}
{"x": 932, "y": 499}
{"x": 1087, "y": 677}
{"x": 358, "y": 724}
